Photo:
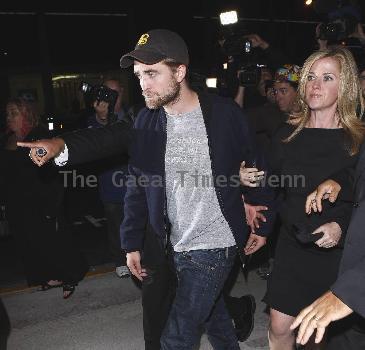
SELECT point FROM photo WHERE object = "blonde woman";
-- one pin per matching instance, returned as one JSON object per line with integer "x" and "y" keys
{"x": 321, "y": 140}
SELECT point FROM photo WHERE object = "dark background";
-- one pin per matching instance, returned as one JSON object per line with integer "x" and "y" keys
{"x": 75, "y": 39}
{"x": 92, "y": 36}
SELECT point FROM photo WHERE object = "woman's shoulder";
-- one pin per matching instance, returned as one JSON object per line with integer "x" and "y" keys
{"x": 283, "y": 131}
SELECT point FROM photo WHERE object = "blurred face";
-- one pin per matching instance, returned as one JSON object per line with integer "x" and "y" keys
{"x": 14, "y": 118}
{"x": 321, "y": 90}
{"x": 362, "y": 82}
{"x": 285, "y": 96}
{"x": 160, "y": 85}
{"x": 270, "y": 95}
{"x": 265, "y": 75}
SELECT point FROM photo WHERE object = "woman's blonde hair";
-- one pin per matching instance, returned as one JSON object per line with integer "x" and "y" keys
{"x": 350, "y": 103}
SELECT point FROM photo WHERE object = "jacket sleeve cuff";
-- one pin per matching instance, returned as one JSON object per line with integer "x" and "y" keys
{"x": 350, "y": 288}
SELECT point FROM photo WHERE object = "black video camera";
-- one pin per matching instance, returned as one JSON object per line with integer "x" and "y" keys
{"x": 101, "y": 93}
{"x": 333, "y": 31}
{"x": 338, "y": 29}
{"x": 249, "y": 75}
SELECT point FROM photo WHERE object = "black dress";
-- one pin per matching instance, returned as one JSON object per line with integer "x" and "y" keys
{"x": 33, "y": 198}
{"x": 303, "y": 272}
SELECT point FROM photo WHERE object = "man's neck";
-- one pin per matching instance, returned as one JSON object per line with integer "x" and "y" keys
{"x": 187, "y": 102}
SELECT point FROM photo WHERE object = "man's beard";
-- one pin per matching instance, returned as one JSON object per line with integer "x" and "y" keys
{"x": 171, "y": 96}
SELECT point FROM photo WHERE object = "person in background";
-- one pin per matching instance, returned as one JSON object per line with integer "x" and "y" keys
{"x": 112, "y": 173}
{"x": 266, "y": 119}
{"x": 285, "y": 87}
{"x": 33, "y": 199}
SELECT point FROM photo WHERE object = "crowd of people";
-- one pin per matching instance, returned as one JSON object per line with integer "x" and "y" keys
{"x": 213, "y": 178}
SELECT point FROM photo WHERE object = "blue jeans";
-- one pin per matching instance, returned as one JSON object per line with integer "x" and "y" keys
{"x": 198, "y": 305}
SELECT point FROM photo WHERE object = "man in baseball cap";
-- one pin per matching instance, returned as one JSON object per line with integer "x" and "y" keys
{"x": 185, "y": 216}
{"x": 181, "y": 142}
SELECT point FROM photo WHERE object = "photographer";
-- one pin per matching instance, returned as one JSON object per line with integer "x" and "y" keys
{"x": 112, "y": 170}
{"x": 249, "y": 95}
{"x": 343, "y": 27}
{"x": 252, "y": 76}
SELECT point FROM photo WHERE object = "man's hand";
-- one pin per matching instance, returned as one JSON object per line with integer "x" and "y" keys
{"x": 257, "y": 41}
{"x": 319, "y": 315}
{"x": 253, "y": 215}
{"x": 254, "y": 243}
{"x": 53, "y": 147}
{"x": 134, "y": 265}
{"x": 332, "y": 234}
{"x": 250, "y": 177}
{"x": 326, "y": 190}
{"x": 358, "y": 33}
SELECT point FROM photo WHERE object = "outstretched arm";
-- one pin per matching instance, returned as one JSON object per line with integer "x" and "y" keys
{"x": 83, "y": 145}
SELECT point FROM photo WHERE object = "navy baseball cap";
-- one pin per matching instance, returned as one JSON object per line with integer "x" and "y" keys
{"x": 156, "y": 45}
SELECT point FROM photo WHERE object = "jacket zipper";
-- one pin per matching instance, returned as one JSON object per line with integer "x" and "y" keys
{"x": 165, "y": 218}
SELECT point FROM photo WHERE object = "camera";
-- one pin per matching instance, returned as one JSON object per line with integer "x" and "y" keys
{"x": 333, "y": 31}
{"x": 101, "y": 93}
{"x": 250, "y": 75}
{"x": 240, "y": 48}
{"x": 339, "y": 27}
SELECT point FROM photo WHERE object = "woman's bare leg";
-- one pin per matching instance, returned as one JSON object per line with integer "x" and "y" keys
{"x": 280, "y": 335}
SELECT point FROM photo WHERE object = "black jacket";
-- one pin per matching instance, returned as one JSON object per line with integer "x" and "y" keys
{"x": 350, "y": 284}
{"x": 230, "y": 141}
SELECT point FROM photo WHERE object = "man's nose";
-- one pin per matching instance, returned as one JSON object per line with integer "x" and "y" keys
{"x": 144, "y": 83}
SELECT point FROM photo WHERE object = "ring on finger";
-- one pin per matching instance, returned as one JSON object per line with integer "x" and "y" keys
{"x": 316, "y": 318}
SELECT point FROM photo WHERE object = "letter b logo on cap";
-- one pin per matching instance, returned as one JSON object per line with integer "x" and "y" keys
{"x": 143, "y": 39}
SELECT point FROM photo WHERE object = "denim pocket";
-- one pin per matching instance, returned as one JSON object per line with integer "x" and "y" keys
{"x": 208, "y": 260}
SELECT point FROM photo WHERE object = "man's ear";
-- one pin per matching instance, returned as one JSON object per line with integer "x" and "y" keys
{"x": 180, "y": 73}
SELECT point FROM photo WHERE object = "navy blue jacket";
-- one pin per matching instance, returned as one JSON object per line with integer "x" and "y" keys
{"x": 111, "y": 171}
{"x": 230, "y": 142}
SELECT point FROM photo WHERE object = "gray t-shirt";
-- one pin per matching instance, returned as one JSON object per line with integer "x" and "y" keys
{"x": 196, "y": 219}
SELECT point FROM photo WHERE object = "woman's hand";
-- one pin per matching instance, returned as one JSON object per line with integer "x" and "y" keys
{"x": 332, "y": 234}
{"x": 250, "y": 177}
